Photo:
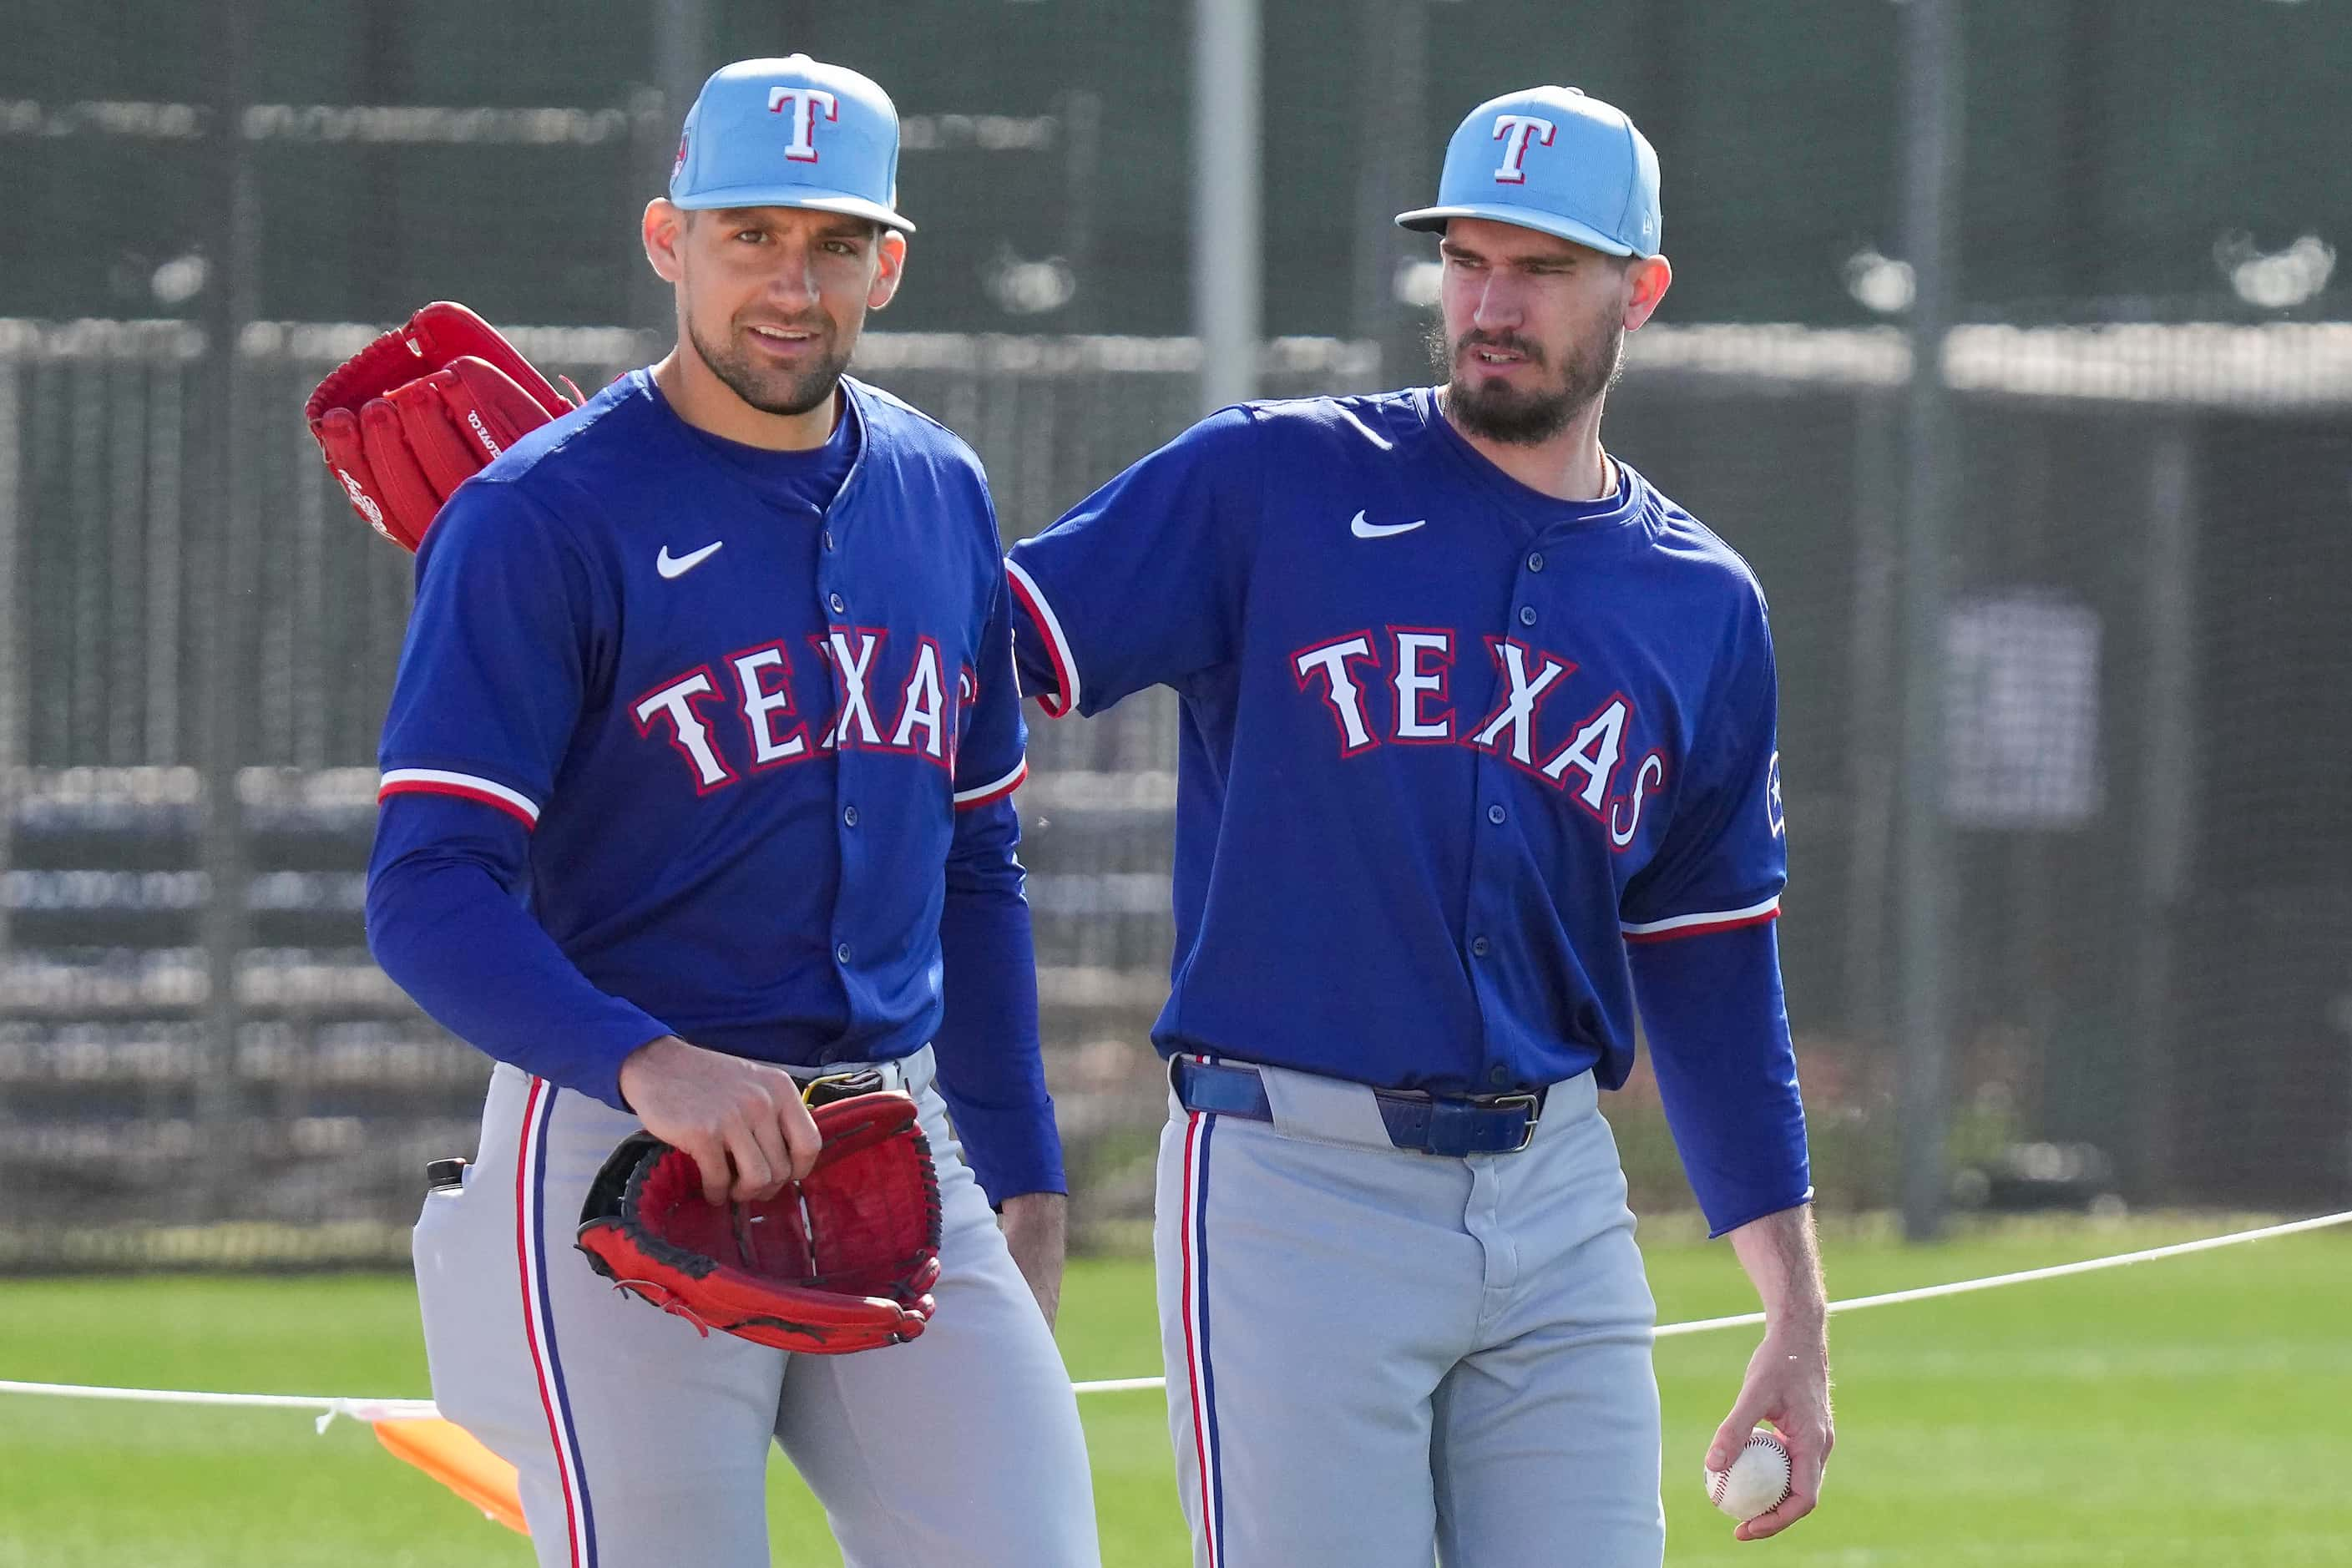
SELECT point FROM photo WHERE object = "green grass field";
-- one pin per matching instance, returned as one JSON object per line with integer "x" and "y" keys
{"x": 2187, "y": 1412}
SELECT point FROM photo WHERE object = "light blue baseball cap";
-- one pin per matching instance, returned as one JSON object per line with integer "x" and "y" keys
{"x": 792, "y": 133}
{"x": 1554, "y": 160}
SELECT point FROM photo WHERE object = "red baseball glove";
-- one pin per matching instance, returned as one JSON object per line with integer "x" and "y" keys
{"x": 841, "y": 1260}
{"x": 412, "y": 416}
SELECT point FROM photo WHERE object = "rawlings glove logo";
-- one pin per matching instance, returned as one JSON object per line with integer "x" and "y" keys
{"x": 364, "y": 503}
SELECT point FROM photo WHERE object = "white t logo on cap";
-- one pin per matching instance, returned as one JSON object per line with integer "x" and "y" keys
{"x": 806, "y": 103}
{"x": 1514, "y": 131}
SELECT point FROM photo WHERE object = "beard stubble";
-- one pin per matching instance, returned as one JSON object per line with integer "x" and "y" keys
{"x": 1497, "y": 411}
{"x": 771, "y": 390}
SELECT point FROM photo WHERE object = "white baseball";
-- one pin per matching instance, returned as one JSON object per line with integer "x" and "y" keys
{"x": 1757, "y": 1481}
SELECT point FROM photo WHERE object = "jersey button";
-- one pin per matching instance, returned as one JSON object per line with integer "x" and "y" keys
{"x": 849, "y": 817}
{"x": 841, "y": 953}
{"x": 1499, "y": 1076}
{"x": 840, "y": 606}
{"x": 1477, "y": 947}
{"x": 1535, "y": 559}
{"x": 828, "y": 542}
{"x": 1495, "y": 813}
{"x": 1526, "y": 615}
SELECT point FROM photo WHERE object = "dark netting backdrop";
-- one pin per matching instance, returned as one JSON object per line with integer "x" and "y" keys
{"x": 2148, "y": 689}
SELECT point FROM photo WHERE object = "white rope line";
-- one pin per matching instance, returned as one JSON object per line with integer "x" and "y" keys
{"x": 1119, "y": 1385}
{"x": 357, "y": 1409}
{"x": 2056, "y": 1271}
{"x": 1924, "y": 1293}
{"x": 422, "y": 1409}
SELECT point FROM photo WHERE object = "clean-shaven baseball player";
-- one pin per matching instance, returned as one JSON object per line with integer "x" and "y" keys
{"x": 1477, "y": 749}
{"x": 695, "y": 787}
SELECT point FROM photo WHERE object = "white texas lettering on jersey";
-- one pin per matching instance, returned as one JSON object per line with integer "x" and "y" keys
{"x": 1416, "y": 685}
{"x": 851, "y": 671}
{"x": 1342, "y": 694}
{"x": 807, "y": 103}
{"x": 923, "y": 725}
{"x": 687, "y": 732}
{"x": 768, "y": 748}
{"x": 1514, "y": 131}
{"x": 1417, "y": 668}
{"x": 1649, "y": 775}
{"x": 925, "y": 706}
{"x": 1517, "y": 713}
{"x": 1600, "y": 741}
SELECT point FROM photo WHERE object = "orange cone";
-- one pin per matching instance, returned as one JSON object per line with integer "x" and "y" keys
{"x": 450, "y": 1455}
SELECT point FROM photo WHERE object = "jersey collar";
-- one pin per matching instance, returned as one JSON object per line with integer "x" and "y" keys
{"x": 1609, "y": 516}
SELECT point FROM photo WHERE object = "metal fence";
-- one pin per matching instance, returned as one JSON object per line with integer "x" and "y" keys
{"x": 227, "y": 1075}
{"x": 2146, "y": 699}
{"x": 2151, "y": 898}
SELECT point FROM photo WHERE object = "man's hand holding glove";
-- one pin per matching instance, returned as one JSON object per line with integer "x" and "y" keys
{"x": 843, "y": 1260}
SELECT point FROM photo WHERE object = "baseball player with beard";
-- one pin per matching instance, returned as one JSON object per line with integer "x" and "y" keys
{"x": 696, "y": 789}
{"x": 1477, "y": 753}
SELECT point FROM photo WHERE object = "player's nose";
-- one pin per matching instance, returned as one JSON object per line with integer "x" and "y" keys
{"x": 1497, "y": 304}
{"x": 791, "y": 279}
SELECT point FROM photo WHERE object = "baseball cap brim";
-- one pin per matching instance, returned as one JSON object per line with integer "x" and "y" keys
{"x": 811, "y": 197}
{"x": 1433, "y": 220}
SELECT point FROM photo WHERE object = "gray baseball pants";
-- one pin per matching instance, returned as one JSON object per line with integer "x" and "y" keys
{"x": 1376, "y": 1356}
{"x": 642, "y": 1444}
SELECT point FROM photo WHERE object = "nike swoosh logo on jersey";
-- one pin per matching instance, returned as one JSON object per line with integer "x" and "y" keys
{"x": 670, "y": 565}
{"x": 1363, "y": 529}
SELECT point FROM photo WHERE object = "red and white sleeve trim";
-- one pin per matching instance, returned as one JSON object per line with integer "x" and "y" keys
{"x": 464, "y": 786}
{"x": 965, "y": 799}
{"x": 1700, "y": 924}
{"x": 1057, "y": 646}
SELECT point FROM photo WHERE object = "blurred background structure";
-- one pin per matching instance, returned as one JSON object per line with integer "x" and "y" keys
{"x": 2005, "y": 341}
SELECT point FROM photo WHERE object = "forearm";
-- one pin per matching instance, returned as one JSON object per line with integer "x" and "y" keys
{"x": 1788, "y": 1381}
{"x": 1036, "y": 1232}
{"x": 991, "y": 1069}
{"x": 446, "y": 929}
{"x": 1783, "y": 1258}
{"x": 1719, "y": 1039}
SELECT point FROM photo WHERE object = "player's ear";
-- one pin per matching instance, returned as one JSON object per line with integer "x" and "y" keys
{"x": 892, "y": 252}
{"x": 665, "y": 233}
{"x": 1648, "y": 278}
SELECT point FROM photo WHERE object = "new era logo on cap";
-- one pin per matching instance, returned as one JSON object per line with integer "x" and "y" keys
{"x": 792, "y": 132}
{"x": 1551, "y": 159}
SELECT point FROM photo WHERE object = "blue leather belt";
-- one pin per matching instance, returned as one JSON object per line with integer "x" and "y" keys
{"x": 1432, "y": 1124}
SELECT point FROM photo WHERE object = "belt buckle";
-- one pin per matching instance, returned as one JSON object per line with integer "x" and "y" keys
{"x": 827, "y": 1087}
{"x": 1533, "y": 1103}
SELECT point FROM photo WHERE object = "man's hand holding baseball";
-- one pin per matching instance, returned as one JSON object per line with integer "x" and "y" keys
{"x": 1788, "y": 1381}
{"x": 1788, "y": 1385}
{"x": 742, "y": 1120}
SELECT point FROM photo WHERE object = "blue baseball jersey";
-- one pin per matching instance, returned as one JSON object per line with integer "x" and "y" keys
{"x": 1450, "y": 749}
{"x": 740, "y": 728}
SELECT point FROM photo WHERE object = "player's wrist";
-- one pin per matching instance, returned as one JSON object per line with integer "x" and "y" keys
{"x": 1798, "y": 1330}
{"x": 648, "y": 1058}
{"x": 1044, "y": 1204}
